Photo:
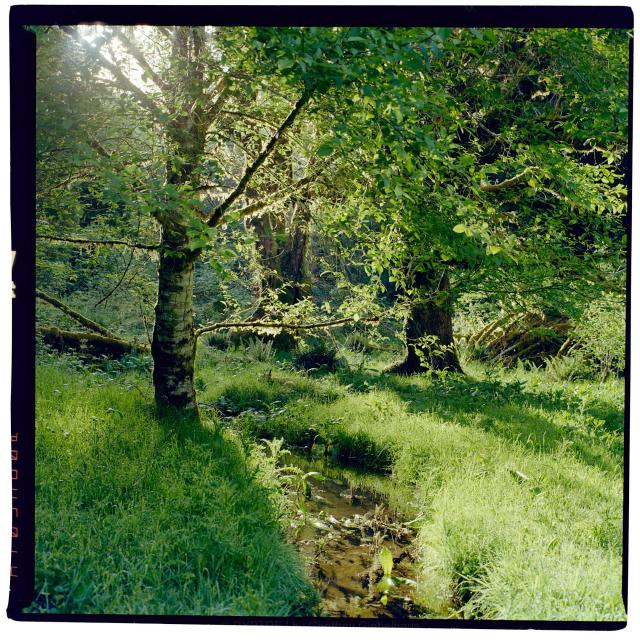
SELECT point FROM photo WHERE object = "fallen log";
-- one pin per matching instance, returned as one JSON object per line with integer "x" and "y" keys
{"x": 78, "y": 317}
{"x": 93, "y": 344}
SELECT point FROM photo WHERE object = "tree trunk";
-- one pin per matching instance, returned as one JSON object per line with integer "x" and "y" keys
{"x": 428, "y": 328}
{"x": 283, "y": 263}
{"x": 174, "y": 343}
{"x": 292, "y": 261}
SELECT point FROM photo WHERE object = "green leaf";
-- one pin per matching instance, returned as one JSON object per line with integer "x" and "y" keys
{"x": 386, "y": 561}
{"x": 324, "y": 149}
{"x": 197, "y": 243}
{"x": 492, "y": 250}
{"x": 285, "y": 63}
{"x": 386, "y": 584}
{"x": 459, "y": 228}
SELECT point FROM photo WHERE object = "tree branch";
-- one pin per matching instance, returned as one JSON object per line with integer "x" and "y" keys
{"x": 142, "y": 61}
{"x": 222, "y": 91}
{"x": 124, "y": 82}
{"x": 89, "y": 241}
{"x": 221, "y": 209}
{"x": 275, "y": 198}
{"x": 120, "y": 281}
{"x": 279, "y": 325}
{"x": 79, "y": 318}
{"x": 93, "y": 343}
{"x": 505, "y": 184}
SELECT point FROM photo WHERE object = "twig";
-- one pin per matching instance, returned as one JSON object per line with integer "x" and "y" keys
{"x": 89, "y": 241}
{"x": 505, "y": 184}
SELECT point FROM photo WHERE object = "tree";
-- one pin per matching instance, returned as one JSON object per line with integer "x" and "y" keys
{"x": 475, "y": 168}
{"x": 176, "y": 83}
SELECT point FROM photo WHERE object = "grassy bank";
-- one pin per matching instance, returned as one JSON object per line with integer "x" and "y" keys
{"x": 517, "y": 480}
{"x": 139, "y": 516}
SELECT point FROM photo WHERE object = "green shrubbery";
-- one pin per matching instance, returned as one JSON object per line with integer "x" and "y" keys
{"x": 601, "y": 334}
{"x": 499, "y": 465}
{"x": 317, "y": 354}
{"x": 514, "y": 480}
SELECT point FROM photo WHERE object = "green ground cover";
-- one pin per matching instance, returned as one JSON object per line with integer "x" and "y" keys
{"x": 515, "y": 482}
{"x": 140, "y": 516}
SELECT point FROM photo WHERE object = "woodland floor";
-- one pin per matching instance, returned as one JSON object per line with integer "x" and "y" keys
{"x": 513, "y": 483}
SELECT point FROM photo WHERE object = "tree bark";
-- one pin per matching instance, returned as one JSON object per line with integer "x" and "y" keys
{"x": 173, "y": 345}
{"x": 293, "y": 259}
{"x": 174, "y": 342}
{"x": 431, "y": 314}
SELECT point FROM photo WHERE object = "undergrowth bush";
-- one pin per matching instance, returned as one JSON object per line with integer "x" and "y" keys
{"x": 317, "y": 354}
{"x": 601, "y": 333}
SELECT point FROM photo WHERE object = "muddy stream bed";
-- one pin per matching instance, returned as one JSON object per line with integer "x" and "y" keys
{"x": 341, "y": 530}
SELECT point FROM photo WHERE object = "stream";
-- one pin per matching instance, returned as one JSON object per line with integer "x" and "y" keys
{"x": 341, "y": 530}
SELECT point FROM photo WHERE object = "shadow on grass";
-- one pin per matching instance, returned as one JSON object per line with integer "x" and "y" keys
{"x": 508, "y": 410}
{"x": 158, "y": 515}
{"x": 542, "y": 420}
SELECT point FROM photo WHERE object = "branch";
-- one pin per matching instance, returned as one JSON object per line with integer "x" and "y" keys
{"x": 220, "y": 210}
{"x": 93, "y": 343}
{"x": 120, "y": 280}
{"x": 276, "y": 197}
{"x": 89, "y": 242}
{"x": 248, "y": 116}
{"x": 505, "y": 184}
{"x": 96, "y": 146}
{"x": 85, "y": 322}
{"x": 142, "y": 61}
{"x": 135, "y": 91}
{"x": 279, "y": 325}
{"x": 223, "y": 91}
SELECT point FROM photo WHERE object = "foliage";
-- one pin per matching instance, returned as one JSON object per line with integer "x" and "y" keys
{"x": 260, "y": 350}
{"x": 461, "y": 447}
{"x": 496, "y": 157}
{"x": 317, "y": 354}
{"x": 601, "y": 334}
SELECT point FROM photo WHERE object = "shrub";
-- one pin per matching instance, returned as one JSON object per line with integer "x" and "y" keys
{"x": 259, "y": 350}
{"x": 569, "y": 367}
{"x": 601, "y": 333}
{"x": 317, "y": 355}
{"x": 218, "y": 340}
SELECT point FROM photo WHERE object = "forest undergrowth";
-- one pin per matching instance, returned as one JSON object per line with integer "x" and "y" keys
{"x": 514, "y": 480}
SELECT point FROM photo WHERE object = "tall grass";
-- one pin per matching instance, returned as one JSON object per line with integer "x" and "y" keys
{"x": 140, "y": 516}
{"x": 517, "y": 479}
{"x": 513, "y": 478}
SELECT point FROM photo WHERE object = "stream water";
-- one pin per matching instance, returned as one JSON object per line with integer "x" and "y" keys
{"x": 341, "y": 530}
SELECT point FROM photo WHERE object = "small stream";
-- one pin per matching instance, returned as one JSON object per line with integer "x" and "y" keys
{"x": 341, "y": 530}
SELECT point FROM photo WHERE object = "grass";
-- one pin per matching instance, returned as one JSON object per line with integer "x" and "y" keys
{"x": 140, "y": 516}
{"x": 515, "y": 482}
{"x": 517, "y": 479}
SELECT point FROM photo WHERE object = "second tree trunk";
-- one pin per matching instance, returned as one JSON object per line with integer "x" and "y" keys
{"x": 428, "y": 327}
